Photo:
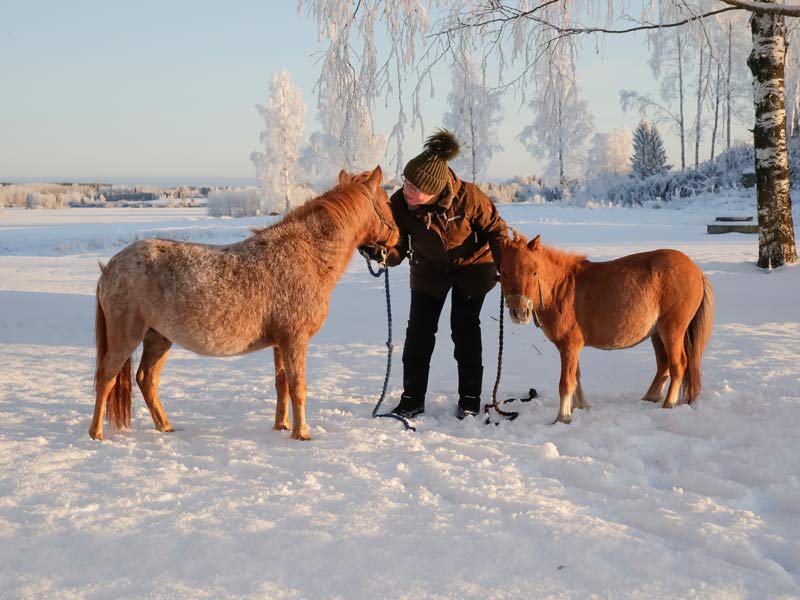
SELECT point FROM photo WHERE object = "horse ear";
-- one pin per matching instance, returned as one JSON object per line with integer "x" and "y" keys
{"x": 344, "y": 177}
{"x": 535, "y": 243}
{"x": 375, "y": 178}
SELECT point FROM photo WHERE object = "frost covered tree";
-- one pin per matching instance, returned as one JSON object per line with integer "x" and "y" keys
{"x": 531, "y": 32}
{"x": 610, "y": 153}
{"x": 649, "y": 157}
{"x": 562, "y": 120}
{"x": 283, "y": 131}
{"x": 353, "y": 79}
{"x": 534, "y": 29}
{"x": 474, "y": 115}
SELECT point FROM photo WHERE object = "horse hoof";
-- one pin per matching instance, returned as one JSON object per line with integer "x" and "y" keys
{"x": 301, "y": 436}
{"x": 281, "y": 427}
{"x": 565, "y": 420}
{"x": 646, "y": 399}
{"x": 167, "y": 429}
{"x": 96, "y": 436}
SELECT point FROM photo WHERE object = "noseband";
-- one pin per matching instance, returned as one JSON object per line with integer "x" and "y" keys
{"x": 528, "y": 304}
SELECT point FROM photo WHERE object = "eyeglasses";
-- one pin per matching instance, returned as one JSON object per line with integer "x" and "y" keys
{"x": 411, "y": 187}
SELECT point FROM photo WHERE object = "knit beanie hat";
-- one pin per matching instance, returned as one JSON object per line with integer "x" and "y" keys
{"x": 428, "y": 170}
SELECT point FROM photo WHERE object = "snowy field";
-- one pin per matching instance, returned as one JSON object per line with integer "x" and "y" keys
{"x": 629, "y": 501}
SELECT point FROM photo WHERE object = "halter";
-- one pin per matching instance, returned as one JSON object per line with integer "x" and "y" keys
{"x": 528, "y": 303}
{"x": 381, "y": 244}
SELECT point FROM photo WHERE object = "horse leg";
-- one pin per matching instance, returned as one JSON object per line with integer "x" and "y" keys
{"x": 282, "y": 388}
{"x": 580, "y": 399}
{"x": 653, "y": 393}
{"x": 154, "y": 355}
{"x": 115, "y": 347}
{"x": 294, "y": 356}
{"x": 676, "y": 358}
{"x": 568, "y": 382}
{"x": 104, "y": 384}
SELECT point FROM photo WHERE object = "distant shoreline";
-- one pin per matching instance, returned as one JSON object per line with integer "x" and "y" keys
{"x": 172, "y": 181}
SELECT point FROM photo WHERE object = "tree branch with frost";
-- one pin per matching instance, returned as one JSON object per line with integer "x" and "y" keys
{"x": 787, "y": 10}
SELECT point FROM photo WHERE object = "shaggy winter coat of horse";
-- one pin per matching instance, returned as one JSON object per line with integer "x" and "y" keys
{"x": 271, "y": 289}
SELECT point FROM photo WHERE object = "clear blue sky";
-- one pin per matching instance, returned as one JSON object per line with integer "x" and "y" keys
{"x": 157, "y": 91}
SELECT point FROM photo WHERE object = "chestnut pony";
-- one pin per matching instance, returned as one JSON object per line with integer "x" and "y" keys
{"x": 661, "y": 294}
{"x": 271, "y": 289}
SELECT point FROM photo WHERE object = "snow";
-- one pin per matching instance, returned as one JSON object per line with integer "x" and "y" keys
{"x": 629, "y": 501}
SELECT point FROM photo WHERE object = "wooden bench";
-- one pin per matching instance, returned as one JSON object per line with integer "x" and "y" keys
{"x": 732, "y": 228}
{"x": 734, "y": 224}
{"x": 734, "y": 219}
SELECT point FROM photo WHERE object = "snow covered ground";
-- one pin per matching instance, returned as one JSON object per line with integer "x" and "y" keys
{"x": 629, "y": 501}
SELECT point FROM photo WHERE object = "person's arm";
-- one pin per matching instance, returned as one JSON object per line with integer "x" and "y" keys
{"x": 488, "y": 224}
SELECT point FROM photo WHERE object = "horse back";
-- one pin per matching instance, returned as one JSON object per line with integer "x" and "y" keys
{"x": 621, "y": 302}
{"x": 213, "y": 300}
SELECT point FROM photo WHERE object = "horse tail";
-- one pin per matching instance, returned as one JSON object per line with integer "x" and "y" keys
{"x": 119, "y": 399}
{"x": 694, "y": 343}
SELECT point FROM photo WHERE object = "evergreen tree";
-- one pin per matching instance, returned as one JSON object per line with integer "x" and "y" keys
{"x": 649, "y": 156}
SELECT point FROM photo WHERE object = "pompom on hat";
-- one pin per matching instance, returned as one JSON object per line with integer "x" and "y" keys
{"x": 428, "y": 170}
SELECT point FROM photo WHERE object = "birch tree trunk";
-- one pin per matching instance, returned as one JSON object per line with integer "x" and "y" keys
{"x": 728, "y": 99}
{"x": 716, "y": 109}
{"x": 681, "y": 124}
{"x": 698, "y": 130}
{"x": 776, "y": 244}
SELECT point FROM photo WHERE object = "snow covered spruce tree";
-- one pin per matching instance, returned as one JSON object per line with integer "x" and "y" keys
{"x": 649, "y": 157}
{"x": 475, "y": 112}
{"x": 283, "y": 118}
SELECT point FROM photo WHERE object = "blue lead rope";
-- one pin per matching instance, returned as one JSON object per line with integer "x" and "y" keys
{"x": 384, "y": 270}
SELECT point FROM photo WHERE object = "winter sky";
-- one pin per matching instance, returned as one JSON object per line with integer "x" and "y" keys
{"x": 164, "y": 92}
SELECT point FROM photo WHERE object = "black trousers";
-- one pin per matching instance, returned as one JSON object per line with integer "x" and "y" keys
{"x": 465, "y": 328}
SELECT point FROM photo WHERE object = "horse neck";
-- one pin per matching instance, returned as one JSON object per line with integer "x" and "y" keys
{"x": 336, "y": 240}
{"x": 558, "y": 274}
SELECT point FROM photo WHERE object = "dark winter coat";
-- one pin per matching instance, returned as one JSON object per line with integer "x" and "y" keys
{"x": 454, "y": 242}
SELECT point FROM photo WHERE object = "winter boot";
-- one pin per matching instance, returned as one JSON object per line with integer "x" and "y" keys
{"x": 470, "y": 381}
{"x": 409, "y": 407}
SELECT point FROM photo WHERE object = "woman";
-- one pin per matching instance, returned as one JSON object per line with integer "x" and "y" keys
{"x": 452, "y": 235}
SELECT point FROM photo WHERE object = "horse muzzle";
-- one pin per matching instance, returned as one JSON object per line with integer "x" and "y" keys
{"x": 520, "y": 308}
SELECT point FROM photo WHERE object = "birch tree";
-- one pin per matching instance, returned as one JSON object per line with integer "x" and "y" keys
{"x": 474, "y": 115}
{"x": 668, "y": 62}
{"x": 283, "y": 118}
{"x": 562, "y": 121}
{"x": 353, "y": 78}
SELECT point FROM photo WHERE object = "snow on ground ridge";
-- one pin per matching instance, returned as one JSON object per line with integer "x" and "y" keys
{"x": 629, "y": 501}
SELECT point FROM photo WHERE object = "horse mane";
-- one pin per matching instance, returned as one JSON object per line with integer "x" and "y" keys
{"x": 343, "y": 205}
{"x": 562, "y": 259}
{"x": 559, "y": 258}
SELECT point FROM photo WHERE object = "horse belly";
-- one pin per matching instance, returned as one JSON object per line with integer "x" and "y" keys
{"x": 614, "y": 334}
{"x": 213, "y": 340}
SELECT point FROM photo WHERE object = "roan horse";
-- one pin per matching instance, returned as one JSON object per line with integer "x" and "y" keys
{"x": 271, "y": 289}
{"x": 661, "y": 294}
